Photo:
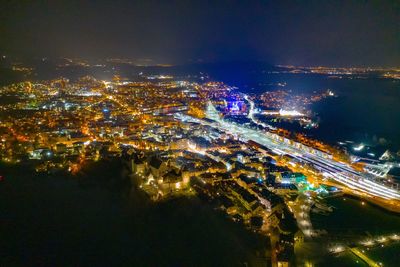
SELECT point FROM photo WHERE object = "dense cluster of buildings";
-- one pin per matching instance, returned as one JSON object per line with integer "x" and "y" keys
{"x": 59, "y": 125}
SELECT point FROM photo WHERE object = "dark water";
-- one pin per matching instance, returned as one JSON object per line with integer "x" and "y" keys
{"x": 365, "y": 110}
{"x": 389, "y": 255}
{"x": 351, "y": 218}
{"x": 91, "y": 220}
{"x": 352, "y": 222}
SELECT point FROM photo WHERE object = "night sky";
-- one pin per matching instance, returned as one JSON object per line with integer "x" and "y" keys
{"x": 340, "y": 33}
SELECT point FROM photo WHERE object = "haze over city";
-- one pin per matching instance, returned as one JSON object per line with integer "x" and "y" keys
{"x": 334, "y": 33}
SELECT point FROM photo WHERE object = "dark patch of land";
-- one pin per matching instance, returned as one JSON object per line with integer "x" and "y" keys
{"x": 95, "y": 219}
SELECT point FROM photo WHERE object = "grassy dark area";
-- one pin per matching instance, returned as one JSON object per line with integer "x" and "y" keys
{"x": 93, "y": 219}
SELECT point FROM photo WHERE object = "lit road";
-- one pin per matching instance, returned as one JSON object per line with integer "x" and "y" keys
{"x": 340, "y": 172}
{"x": 364, "y": 257}
{"x": 252, "y": 112}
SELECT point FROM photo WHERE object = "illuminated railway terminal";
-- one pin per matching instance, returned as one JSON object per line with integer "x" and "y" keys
{"x": 359, "y": 183}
